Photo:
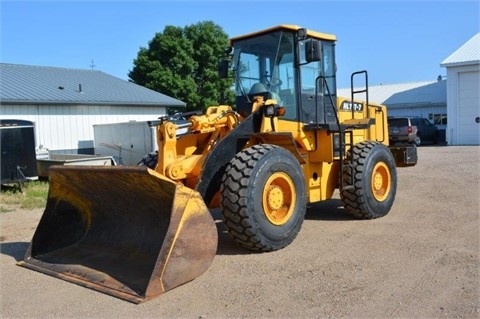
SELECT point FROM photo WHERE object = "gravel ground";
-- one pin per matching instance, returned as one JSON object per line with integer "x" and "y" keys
{"x": 419, "y": 261}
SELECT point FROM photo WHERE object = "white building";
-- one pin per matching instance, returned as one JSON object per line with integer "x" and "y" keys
{"x": 463, "y": 93}
{"x": 64, "y": 104}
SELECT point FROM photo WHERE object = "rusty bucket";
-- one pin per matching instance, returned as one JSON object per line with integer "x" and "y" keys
{"x": 125, "y": 231}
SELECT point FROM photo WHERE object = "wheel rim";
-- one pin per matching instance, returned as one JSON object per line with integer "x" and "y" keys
{"x": 279, "y": 198}
{"x": 381, "y": 181}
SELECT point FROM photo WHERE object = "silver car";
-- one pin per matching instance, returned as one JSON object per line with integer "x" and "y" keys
{"x": 417, "y": 130}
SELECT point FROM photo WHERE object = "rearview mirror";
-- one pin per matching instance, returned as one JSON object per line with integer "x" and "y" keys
{"x": 313, "y": 51}
{"x": 222, "y": 68}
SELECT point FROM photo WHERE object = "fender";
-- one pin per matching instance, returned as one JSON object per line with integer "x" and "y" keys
{"x": 215, "y": 163}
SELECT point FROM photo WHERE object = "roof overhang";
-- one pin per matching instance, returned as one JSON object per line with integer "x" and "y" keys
{"x": 463, "y": 63}
{"x": 76, "y": 103}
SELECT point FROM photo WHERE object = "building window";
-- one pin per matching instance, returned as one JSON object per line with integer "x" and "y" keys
{"x": 438, "y": 119}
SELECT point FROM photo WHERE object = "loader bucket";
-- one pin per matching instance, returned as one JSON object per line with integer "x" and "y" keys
{"x": 125, "y": 231}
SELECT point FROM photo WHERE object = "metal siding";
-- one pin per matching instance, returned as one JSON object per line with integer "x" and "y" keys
{"x": 454, "y": 128}
{"x": 417, "y": 111}
{"x": 63, "y": 127}
{"x": 469, "y": 108}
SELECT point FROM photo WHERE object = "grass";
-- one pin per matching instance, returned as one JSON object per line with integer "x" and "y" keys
{"x": 31, "y": 195}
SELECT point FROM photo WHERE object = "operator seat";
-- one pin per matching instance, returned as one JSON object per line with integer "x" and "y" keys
{"x": 260, "y": 89}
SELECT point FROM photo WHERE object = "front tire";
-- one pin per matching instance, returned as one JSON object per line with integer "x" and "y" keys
{"x": 263, "y": 198}
{"x": 374, "y": 181}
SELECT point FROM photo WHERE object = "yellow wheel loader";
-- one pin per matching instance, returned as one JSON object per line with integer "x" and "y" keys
{"x": 135, "y": 232}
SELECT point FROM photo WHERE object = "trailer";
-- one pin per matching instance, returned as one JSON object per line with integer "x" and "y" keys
{"x": 17, "y": 145}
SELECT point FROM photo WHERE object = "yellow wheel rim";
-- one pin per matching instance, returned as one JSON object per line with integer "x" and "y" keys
{"x": 279, "y": 198}
{"x": 381, "y": 181}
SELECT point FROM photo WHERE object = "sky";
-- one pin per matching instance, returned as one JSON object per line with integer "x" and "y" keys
{"x": 395, "y": 41}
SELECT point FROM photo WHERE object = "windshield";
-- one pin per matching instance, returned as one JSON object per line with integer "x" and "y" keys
{"x": 268, "y": 66}
{"x": 265, "y": 65}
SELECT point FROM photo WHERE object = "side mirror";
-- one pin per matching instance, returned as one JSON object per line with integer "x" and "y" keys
{"x": 313, "y": 51}
{"x": 222, "y": 68}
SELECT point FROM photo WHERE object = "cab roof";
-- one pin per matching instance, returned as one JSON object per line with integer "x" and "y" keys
{"x": 287, "y": 27}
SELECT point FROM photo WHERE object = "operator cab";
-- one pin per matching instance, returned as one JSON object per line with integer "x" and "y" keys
{"x": 292, "y": 65}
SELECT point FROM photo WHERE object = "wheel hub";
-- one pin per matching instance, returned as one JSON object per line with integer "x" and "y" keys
{"x": 279, "y": 198}
{"x": 381, "y": 181}
{"x": 377, "y": 181}
{"x": 275, "y": 198}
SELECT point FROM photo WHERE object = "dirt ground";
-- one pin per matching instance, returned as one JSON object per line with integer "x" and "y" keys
{"x": 419, "y": 261}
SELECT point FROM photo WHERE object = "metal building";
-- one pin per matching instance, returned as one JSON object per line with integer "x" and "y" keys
{"x": 426, "y": 99}
{"x": 452, "y": 104}
{"x": 64, "y": 104}
{"x": 463, "y": 93}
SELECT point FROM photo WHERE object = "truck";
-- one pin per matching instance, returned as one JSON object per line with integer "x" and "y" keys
{"x": 126, "y": 142}
{"x": 135, "y": 232}
{"x": 133, "y": 142}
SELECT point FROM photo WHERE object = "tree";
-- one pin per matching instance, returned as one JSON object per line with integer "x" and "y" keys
{"x": 182, "y": 63}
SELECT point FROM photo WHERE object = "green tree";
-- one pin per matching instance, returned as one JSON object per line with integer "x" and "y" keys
{"x": 182, "y": 63}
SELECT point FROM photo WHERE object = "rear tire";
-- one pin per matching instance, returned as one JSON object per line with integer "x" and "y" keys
{"x": 374, "y": 181}
{"x": 263, "y": 198}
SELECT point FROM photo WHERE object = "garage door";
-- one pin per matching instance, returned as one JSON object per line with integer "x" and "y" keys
{"x": 469, "y": 108}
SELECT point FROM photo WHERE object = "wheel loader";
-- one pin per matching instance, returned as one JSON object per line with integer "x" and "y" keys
{"x": 135, "y": 232}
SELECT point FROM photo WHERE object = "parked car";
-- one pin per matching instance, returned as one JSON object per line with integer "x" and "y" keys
{"x": 409, "y": 129}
